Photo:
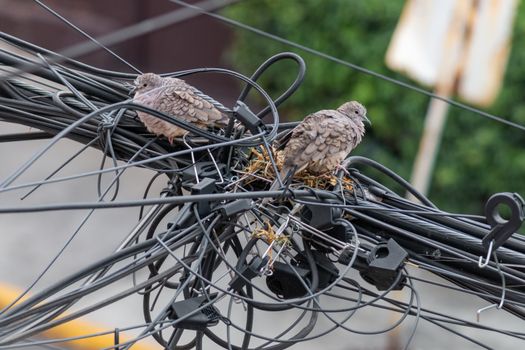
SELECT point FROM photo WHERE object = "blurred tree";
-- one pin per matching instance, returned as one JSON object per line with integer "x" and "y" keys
{"x": 478, "y": 156}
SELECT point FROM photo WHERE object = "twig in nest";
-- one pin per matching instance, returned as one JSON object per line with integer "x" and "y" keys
{"x": 260, "y": 164}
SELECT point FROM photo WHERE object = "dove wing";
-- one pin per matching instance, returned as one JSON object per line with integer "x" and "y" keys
{"x": 180, "y": 100}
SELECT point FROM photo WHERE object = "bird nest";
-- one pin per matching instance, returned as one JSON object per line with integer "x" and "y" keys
{"x": 261, "y": 168}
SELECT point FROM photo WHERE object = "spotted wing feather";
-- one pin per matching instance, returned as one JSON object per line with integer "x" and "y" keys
{"x": 320, "y": 142}
{"x": 178, "y": 99}
{"x": 181, "y": 100}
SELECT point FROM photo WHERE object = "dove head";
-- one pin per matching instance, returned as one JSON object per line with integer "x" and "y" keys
{"x": 147, "y": 82}
{"x": 355, "y": 111}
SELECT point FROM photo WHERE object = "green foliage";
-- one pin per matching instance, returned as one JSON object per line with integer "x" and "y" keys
{"x": 478, "y": 156}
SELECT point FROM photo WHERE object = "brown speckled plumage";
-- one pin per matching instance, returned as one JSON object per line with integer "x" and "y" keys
{"x": 322, "y": 141}
{"x": 174, "y": 97}
{"x": 324, "y": 138}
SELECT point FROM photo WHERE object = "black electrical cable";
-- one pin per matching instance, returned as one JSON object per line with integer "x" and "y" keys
{"x": 291, "y": 89}
{"x": 91, "y": 111}
{"x": 85, "y": 272}
{"x": 75, "y": 295}
{"x": 366, "y": 161}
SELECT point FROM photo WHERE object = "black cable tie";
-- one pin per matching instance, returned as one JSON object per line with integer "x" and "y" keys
{"x": 225, "y": 320}
{"x": 105, "y": 123}
{"x": 286, "y": 189}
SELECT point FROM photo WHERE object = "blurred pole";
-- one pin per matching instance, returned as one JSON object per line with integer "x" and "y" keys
{"x": 459, "y": 47}
{"x": 454, "y": 55}
{"x": 430, "y": 142}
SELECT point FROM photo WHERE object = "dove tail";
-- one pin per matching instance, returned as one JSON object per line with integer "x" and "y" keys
{"x": 225, "y": 119}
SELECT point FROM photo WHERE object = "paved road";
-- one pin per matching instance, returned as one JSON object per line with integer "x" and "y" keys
{"x": 29, "y": 241}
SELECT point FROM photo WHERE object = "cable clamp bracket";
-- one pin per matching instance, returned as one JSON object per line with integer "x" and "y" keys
{"x": 501, "y": 228}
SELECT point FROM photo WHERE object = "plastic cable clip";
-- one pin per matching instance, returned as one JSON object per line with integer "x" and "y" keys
{"x": 341, "y": 230}
{"x": 383, "y": 265}
{"x": 502, "y": 229}
{"x": 286, "y": 283}
{"x": 200, "y": 320}
{"x": 238, "y": 206}
{"x": 247, "y": 117}
{"x": 205, "y": 186}
{"x": 321, "y": 217}
{"x": 249, "y": 271}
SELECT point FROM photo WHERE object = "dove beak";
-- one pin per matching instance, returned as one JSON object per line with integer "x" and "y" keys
{"x": 132, "y": 91}
{"x": 366, "y": 120}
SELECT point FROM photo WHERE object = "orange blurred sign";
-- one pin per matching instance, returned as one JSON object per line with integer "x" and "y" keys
{"x": 445, "y": 43}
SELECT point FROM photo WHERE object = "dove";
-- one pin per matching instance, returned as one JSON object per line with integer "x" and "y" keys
{"x": 174, "y": 97}
{"x": 322, "y": 140}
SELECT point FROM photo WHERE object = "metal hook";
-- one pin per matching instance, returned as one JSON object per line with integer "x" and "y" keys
{"x": 192, "y": 158}
{"x": 283, "y": 226}
{"x": 279, "y": 231}
{"x": 482, "y": 264}
{"x": 478, "y": 313}
{"x": 503, "y": 292}
{"x": 216, "y": 166}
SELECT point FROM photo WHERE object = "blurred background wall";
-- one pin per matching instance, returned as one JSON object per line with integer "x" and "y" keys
{"x": 199, "y": 42}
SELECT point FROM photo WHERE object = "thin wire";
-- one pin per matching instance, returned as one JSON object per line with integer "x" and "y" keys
{"x": 418, "y": 311}
{"x": 67, "y": 243}
{"x": 356, "y": 67}
{"x": 85, "y": 290}
{"x": 112, "y": 169}
{"x": 503, "y": 291}
{"x": 144, "y": 27}
{"x": 193, "y": 164}
{"x": 70, "y": 159}
{"x": 462, "y": 290}
{"x": 147, "y": 258}
{"x": 437, "y": 315}
{"x": 296, "y": 301}
{"x": 69, "y": 23}
{"x": 68, "y": 339}
{"x": 178, "y": 122}
{"x": 471, "y": 282}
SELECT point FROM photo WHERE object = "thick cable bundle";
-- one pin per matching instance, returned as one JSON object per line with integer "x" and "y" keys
{"x": 214, "y": 257}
